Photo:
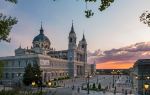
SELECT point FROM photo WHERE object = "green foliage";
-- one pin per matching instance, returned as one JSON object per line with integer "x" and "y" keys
{"x": 36, "y": 72}
{"x": 12, "y": 1}
{"x": 28, "y": 75}
{"x": 89, "y": 13}
{"x": 32, "y": 73}
{"x": 1, "y": 68}
{"x": 6, "y": 24}
{"x": 9, "y": 92}
{"x": 105, "y": 4}
{"x": 145, "y": 18}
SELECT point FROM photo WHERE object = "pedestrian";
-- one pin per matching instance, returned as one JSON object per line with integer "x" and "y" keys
{"x": 78, "y": 89}
{"x": 73, "y": 87}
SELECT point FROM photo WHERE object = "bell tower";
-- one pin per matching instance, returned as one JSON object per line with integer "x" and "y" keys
{"x": 72, "y": 38}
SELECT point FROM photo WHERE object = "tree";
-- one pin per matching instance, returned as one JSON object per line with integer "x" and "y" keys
{"x": 32, "y": 73}
{"x": 28, "y": 75}
{"x": 99, "y": 86}
{"x": 12, "y": 1}
{"x": 36, "y": 72}
{"x": 93, "y": 86}
{"x": 6, "y": 24}
{"x": 145, "y": 18}
{"x": 1, "y": 68}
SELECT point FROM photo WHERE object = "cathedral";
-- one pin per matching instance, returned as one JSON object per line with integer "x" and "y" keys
{"x": 54, "y": 64}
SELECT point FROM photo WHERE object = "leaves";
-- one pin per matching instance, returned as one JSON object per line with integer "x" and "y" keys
{"x": 1, "y": 68}
{"x": 6, "y": 23}
{"x": 145, "y": 18}
{"x": 105, "y": 4}
{"x": 89, "y": 13}
{"x": 32, "y": 73}
{"x": 12, "y": 1}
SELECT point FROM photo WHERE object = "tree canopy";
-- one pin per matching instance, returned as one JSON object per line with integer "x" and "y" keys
{"x": 32, "y": 73}
{"x": 6, "y": 24}
{"x": 1, "y": 68}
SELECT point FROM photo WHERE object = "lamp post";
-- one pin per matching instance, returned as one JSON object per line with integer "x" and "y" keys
{"x": 49, "y": 83}
{"x": 41, "y": 84}
{"x": 146, "y": 86}
{"x": 88, "y": 89}
{"x": 113, "y": 72}
{"x": 39, "y": 81}
{"x": 33, "y": 83}
{"x": 97, "y": 78}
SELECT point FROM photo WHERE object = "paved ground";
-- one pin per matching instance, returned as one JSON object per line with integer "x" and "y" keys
{"x": 122, "y": 84}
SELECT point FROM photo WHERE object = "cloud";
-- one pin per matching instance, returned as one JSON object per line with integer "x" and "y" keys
{"x": 128, "y": 54}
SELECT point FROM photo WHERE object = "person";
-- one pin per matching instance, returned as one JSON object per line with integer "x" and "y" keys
{"x": 78, "y": 89}
{"x": 73, "y": 87}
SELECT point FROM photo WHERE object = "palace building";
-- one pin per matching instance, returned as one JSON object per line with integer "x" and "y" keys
{"x": 54, "y": 64}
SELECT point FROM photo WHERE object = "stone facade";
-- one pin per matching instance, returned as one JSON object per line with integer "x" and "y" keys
{"x": 140, "y": 74}
{"x": 54, "y": 64}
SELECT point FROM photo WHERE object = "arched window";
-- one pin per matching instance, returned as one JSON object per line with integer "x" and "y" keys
{"x": 36, "y": 45}
{"x": 70, "y": 40}
{"x": 82, "y": 46}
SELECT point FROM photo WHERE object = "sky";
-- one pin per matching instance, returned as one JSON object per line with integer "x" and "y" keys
{"x": 116, "y": 38}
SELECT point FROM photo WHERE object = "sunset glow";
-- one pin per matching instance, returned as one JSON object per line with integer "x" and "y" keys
{"x": 114, "y": 65}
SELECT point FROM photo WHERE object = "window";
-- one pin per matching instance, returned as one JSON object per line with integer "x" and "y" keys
{"x": 36, "y": 45}
{"x": 70, "y": 40}
{"x": 6, "y": 75}
{"x": 12, "y": 75}
{"x": 19, "y": 63}
{"x": 13, "y": 63}
{"x": 82, "y": 46}
{"x": 26, "y": 62}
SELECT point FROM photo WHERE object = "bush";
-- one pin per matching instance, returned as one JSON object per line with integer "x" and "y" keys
{"x": 93, "y": 86}
{"x": 99, "y": 86}
{"x": 10, "y": 92}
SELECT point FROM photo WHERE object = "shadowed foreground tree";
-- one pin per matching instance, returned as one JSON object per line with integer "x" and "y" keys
{"x": 145, "y": 18}
{"x": 32, "y": 73}
{"x": 1, "y": 68}
{"x": 6, "y": 24}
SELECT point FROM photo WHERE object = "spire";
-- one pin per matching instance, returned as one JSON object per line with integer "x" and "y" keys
{"x": 20, "y": 45}
{"x": 41, "y": 30}
{"x": 72, "y": 28}
{"x": 83, "y": 39}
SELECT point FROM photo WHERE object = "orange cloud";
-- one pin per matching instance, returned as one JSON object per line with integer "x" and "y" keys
{"x": 114, "y": 65}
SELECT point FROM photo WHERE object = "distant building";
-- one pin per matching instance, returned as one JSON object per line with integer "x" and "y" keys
{"x": 54, "y": 64}
{"x": 140, "y": 76}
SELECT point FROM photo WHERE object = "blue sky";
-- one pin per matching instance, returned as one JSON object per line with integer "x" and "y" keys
{"x": 116, "y": 27}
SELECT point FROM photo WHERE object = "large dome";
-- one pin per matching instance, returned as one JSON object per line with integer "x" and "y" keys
{"x": 41, "y": 37}
{"x": 41, "y": 41}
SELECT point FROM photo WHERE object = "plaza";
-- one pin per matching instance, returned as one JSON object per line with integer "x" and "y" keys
{"x": 121, "y": 83}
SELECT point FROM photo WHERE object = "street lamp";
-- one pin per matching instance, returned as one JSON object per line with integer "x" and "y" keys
{"x": 146, "y": 86}
{"x": 41, "y": 84}
{"x": 97, "y": 78}
{"x": 136, "y": 77}
{"x": 33, "y": 83}
{"x": 148, "y": 77}
{"x": 113, "y": 81}
{"x": 88, "y": 85}
{"x": 49, "y": 83}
